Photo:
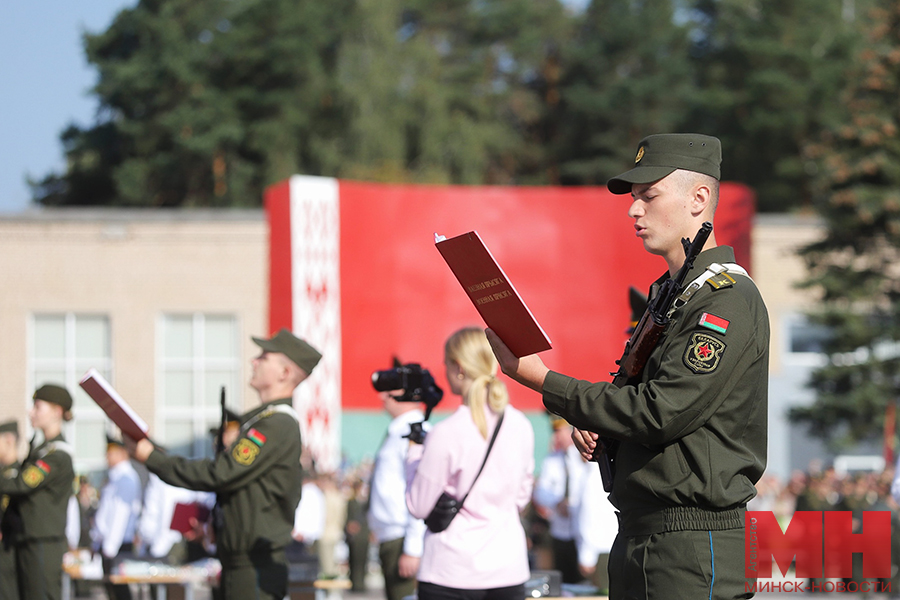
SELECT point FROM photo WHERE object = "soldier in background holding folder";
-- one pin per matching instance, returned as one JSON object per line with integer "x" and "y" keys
{"x": 257, "y": 479}
{"x": 692, "y": 424}
{"x": 39, "y": 498}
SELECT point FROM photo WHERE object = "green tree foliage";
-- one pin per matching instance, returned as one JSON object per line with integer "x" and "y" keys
{"x": 205, "y": 102}
{"x": 767, "y": 74}
{"x": 625, "y": 74}
{"x": 855, "y": 265}
{"x": 447, "y": 92}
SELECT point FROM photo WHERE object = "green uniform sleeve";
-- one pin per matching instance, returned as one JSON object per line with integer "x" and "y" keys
{"x": 688, "y": 376}
{"x": 246, "y": 460}
{"x": 38, "y": 474}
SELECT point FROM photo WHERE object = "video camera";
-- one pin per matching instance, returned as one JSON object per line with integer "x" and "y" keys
{"x": 418, "y": 386}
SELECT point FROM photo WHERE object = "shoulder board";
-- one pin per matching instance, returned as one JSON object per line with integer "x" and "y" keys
{"x": 278, "y": 408}
{"x": 56, "y": 446}
{"x": 720, "y": 280}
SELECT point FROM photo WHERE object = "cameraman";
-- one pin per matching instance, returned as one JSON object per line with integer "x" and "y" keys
{"x": 399, "y": 535}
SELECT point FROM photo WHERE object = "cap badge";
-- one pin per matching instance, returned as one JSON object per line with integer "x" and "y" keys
{"x": 639, "y": 156}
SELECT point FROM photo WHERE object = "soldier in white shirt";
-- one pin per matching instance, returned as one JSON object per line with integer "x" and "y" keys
{"x": 158, "y": 539}
{"x": 117, "y": 514}
{"x": 399, "y": 535}
{"x": 596, "y": 528}
{"x": 557, "y": 495}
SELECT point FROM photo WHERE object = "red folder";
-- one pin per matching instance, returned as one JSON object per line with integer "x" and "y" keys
{"x": 183, "y": 513}
{"x": 492, "y": 293}
{"x": 112, "y": 404}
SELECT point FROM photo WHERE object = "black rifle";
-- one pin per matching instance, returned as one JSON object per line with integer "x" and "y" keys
{"x": 220, "y": 440}
{"x": 643, "y": 340}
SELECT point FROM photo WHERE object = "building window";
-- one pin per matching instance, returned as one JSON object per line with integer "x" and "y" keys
{"x": 199, "y": 355}
{"x": 64, "y": 347}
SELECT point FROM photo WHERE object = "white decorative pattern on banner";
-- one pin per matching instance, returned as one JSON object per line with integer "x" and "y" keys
{"x": 316, "y": 305}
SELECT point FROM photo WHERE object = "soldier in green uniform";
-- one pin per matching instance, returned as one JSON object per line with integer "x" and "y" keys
{"x": 9, "y": 469}
{"x": 692, "y": 431}
{"x": 257, "y": 479}
{"x": 39, "y": 496}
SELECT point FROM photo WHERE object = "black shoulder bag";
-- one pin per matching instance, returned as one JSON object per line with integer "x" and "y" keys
{"x": 447, "y": 506}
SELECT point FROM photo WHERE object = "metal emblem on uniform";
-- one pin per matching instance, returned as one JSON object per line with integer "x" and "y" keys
{"x": 639, "y": 156}
{"x": 703, "y": 353}
{"x": 245, "y": 452}
{"x": 32, "y": 476}
{"x": 722, "y": 280}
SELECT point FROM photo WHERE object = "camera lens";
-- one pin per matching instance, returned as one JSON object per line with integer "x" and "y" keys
{"x": 385, "y": 381}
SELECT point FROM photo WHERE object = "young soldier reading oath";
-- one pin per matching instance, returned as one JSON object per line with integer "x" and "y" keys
{"x": 692, "y": 428}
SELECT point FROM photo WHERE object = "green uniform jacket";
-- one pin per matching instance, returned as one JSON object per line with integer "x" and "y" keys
{"x": 693, "y": 431}
{"x": 39, "y": 494}
{"x": 257, "y": 481}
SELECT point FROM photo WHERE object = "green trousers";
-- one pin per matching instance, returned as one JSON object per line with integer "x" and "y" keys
{"x": 9, "y": 586}
{"x": 260, "y": 578}
{"x": 395, "y": 587}
{"x": 688, "y": 565}
{"x": 40, "y": 569}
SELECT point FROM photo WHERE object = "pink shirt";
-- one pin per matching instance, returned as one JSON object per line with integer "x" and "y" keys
{"x": 484, "y": 547}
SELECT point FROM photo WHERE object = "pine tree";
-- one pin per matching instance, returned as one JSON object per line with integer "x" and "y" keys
{"x": 855, "y": 265}
{"x": 767, "y": 74}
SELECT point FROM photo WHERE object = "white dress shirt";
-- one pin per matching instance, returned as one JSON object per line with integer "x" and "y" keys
{"x": 596, "y": 521}
{"x": 155, "y": 525}
{"x": 563, "y": 474}
{"x": 309, "y": 518}
{"x": 389, "y": 519}
{"x": 118, "y": 509}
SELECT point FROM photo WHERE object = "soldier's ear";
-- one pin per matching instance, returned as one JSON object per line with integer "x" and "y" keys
{"x": 701, "y": 198}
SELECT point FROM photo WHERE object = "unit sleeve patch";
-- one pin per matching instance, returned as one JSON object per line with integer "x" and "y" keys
{"x": 703, "y": 353}
{"x": 32, "y": 476}
{"x": 245, "y": 452}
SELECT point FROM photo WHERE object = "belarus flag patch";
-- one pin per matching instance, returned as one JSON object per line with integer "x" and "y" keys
{"x": 713, "y": 322}
{"x": 256, "y": 437}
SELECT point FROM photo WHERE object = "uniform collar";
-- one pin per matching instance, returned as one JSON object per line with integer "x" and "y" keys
{"x": 264, "y": 406}
{"x": 719, "y": 254}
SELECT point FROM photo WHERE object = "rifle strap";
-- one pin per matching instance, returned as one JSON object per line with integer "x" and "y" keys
{"x": 692, "y": 288}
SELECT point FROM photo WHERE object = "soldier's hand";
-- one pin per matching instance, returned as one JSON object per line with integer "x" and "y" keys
{"x": 142, "y": 450}
{"x": 408, "y": 566}
{"x": 585, "y": 441}
{"x": 529, "y": 370}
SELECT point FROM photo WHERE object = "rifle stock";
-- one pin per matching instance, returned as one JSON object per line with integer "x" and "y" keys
{"x": 643, "y": 340}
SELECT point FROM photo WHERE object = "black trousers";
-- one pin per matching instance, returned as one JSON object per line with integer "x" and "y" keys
{"x": 119, "y": 591}
{"x": 431, "y": 591}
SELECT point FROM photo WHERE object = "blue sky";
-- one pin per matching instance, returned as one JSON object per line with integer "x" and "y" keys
{"x": 44, "y": 85}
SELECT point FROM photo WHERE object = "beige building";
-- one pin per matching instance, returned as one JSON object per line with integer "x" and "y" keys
{"x": 163, "y": 303}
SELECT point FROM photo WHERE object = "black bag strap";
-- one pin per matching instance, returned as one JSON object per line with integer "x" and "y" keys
{"x": 486, "y": 454}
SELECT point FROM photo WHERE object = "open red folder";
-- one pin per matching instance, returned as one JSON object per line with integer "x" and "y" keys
{"x": 183, "y": 513}
{"x": 492, "y": 293}
{"x": 98, "y": 388}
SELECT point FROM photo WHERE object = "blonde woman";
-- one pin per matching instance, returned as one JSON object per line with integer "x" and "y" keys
{"x": 482, "y": 554}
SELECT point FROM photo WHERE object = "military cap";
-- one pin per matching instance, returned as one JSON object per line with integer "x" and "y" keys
{"x": 10, "y": 427}
{"x": 660, "y": 154}
{"x": 299, "y": 351}
{"x": 54, "y": 394}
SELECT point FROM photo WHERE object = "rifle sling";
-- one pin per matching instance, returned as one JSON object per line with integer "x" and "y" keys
{"x": 691, "y": 288}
